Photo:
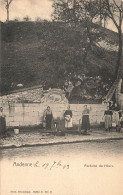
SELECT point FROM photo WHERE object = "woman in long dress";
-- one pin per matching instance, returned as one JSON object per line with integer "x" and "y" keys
{"x": 121, "y": 122}
{"x": 68, "y": 118}
{"x": 116, "y": 116}
{"x": 108, "y": 119}
{"x": 48, "y": 117}
{"x": 85, "y": 119}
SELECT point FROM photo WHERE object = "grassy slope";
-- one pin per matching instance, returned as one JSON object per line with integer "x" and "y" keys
{"x": 37, "y": 52}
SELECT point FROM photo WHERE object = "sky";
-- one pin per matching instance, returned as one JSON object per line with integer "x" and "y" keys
{"x": 34, "y": 8}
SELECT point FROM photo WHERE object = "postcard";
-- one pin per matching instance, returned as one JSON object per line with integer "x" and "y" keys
{"x": 61, "y": 97}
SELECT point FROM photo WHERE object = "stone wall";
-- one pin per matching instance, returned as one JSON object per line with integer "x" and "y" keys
{"x": 29, "y": 114}
{"x": 26, "y": 95}
{"x": 35, "y": 95}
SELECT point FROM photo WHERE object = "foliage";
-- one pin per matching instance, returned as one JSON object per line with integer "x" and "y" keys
{"x": 38, "y": 19}
{"x": 16, "y": 19}
{"x": 75, "y": 11}
{"x": 113, "y": 10}
{"x": 26, "y": 19}
{"x": 80, "y": 12}
{"x": 51, "y": 53}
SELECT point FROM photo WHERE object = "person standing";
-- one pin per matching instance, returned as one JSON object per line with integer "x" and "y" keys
{"x": 108, "y": 119}
{"x": 68, "y": 118}
{"x": 117, "y": 108}
{"x": 48, "y": 117}
{"x": 85, "y": 119}
{"x": 2, "y": 121}
{"x": 115, "y": 118}
{"x": 121, "y": 122}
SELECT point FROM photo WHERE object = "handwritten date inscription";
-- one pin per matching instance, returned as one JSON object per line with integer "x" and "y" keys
{"x": 46, "y": 165}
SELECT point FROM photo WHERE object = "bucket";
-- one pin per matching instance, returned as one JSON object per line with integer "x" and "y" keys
{"x": 16, "y": 131}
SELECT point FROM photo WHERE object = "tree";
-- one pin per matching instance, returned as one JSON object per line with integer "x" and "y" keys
{"x": 80, "y": 12}
{"x": 113, "y": 10}
{"x": 7, "y": 6}
{"x": 26, "y": 19}
{"x": 74, "y": 10}
{"x": 102, "y": 15}
{"x": 38, "y": 19}
{"x": 85, "y": 12}
{"x": 16, "y": 19}
{"x": 62, "y": 11}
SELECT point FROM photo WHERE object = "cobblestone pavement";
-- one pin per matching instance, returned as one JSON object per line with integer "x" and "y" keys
{"x": 38, "y": 138}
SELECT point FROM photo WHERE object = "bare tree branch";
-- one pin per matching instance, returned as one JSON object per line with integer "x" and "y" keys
{"x": 10, "y": 2}
{"x": 116, "y": 5}
{"x": 111, "y": 14}
{"x": 7, "y": 5}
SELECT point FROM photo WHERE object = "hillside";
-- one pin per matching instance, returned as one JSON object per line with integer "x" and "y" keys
{"x": 49, "y": 53}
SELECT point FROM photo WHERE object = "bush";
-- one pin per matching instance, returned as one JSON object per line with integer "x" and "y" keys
{"x": 26, "y": 19}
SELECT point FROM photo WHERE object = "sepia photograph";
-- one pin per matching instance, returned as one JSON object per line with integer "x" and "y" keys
{"x": 61, "y": 97}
